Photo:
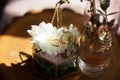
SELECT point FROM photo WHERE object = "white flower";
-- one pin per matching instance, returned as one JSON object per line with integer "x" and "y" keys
{"x": 48, "y": 38}
{"x": 74, "y": 31}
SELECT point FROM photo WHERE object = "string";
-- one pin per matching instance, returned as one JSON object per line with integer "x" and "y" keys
{"x": 56, "y": 9}
{"x": 58, "y": 12}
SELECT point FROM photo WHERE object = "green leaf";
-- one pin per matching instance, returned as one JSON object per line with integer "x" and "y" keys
{"x": 113, "y": 13}
{"x": 100, "y": 11}
{"x": 111, "y": 23}
{"x": 104, "y": 4}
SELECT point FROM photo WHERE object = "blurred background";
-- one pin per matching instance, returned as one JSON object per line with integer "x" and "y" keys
{"x": 10, "y": 9}
{"x": 2, "y": 5}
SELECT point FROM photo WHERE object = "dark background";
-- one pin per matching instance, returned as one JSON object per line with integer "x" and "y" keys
{"x": 2, "y": 5}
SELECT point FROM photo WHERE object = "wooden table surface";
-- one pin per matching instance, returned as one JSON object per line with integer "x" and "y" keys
{"x": 16, "y": 49}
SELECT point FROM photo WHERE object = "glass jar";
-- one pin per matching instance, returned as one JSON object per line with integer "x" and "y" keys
{"x": 95, "y": 39}
{"x": 94, "y": 50}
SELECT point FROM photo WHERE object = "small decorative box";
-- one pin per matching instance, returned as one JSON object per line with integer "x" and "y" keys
{"x": 55, "y": 68}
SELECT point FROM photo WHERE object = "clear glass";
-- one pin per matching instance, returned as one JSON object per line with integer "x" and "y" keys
{"x": 94, "y": 54}
{"x": 93, "y": 65}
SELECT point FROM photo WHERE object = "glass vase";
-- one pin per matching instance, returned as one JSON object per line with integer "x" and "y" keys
{"x": 95, "y": 40}
{"x": 94, "y": 53}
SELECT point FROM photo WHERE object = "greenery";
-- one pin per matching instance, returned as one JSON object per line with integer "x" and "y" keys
{"x": 104, "y": 4}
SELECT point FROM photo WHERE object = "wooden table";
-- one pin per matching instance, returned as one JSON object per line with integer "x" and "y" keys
{"x": 16, "y": 49}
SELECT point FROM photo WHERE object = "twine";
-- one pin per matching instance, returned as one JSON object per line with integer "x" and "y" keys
{"x": 58, "y": 12}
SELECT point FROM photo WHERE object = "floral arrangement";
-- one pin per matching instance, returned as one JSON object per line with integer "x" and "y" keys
{"x": 53, "y": 40}
{"x": 55, "y": 48}
{"x": 97, "y": 28}
{"x": 54, "y": 44}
